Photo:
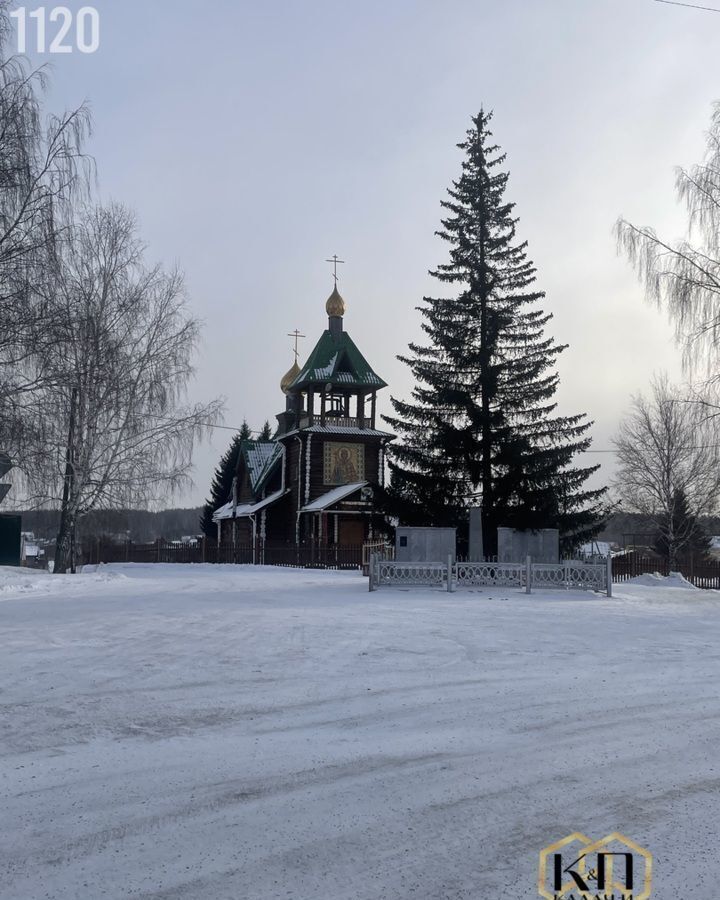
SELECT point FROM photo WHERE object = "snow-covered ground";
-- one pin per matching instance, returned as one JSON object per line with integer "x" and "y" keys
{"x": 230, "y": 733}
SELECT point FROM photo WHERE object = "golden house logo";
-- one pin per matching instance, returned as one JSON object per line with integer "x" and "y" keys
{"x": 578, "y": 868}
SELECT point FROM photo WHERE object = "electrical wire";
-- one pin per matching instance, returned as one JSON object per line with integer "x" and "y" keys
{"x": 689, "y": 5}
{"x": 698, "y": 447}
{"x": 237, "y": 428}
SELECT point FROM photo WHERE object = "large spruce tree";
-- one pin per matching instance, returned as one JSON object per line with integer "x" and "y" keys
{"x": 221, "y": 486}
{"x": 482, "y": 425}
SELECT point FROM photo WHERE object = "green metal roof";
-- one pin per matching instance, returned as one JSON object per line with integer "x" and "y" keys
{"x": 260, "y": 458}
{"x": 337, "y": 361}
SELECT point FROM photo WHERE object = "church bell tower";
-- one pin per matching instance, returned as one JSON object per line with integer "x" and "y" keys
{"x": 335, "y": 450}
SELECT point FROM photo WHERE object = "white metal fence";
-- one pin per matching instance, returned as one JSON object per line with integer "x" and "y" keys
{"x": 572, "y": 574}
{"x": 390, "y": 572}
{"x": 595, "y": 576}
{"x": 471, "y": 574}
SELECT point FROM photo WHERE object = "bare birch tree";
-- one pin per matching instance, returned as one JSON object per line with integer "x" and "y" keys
{"x": 115, "y": 427}
{"x": 668, "y": 454}
{"x": 684, "y": 277}
{"x": 42, "y": 169}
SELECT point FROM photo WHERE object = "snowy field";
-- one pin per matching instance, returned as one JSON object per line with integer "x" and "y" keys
{"x": 230, "y": 733}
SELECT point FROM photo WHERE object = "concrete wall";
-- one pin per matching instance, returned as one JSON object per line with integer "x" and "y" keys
{"x": 542, "y": 545}
{"x": 424, "y": 544}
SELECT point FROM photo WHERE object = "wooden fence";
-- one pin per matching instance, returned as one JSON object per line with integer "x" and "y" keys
{"x": 702, "y": 572}
{"x": 263, "y": 553}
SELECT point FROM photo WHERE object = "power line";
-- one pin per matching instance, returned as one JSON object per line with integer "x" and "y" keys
{"x": 238, "y": 428}
{"x": 689, "y": 5}
{"x": 693, "y": 447}
{"x": 172, "y": 420}
{"x": 698, "y": 447}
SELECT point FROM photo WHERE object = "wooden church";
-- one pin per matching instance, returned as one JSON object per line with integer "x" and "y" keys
{"x": 315, "y": 482}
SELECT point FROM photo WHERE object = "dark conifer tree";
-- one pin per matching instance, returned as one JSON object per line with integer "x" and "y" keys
{"x": 221, "y": 487}
{"x": 482, "y": 420}
{"x": 266, "y": 433}
{"x": 681, "y": 532}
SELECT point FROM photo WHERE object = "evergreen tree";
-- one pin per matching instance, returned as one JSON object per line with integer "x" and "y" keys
{"x": 681, "y": 532}
{"x": 266, "y": 433}
{"x": 221, "y": 487}
{"x": 481, "y": 422}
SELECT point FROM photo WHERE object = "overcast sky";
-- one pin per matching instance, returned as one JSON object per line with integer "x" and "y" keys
{"x": 256, "y": 139}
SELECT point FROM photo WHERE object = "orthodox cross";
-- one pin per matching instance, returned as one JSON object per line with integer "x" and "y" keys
{"x": 334, "y": 260}
{"x": 296, "y": 334}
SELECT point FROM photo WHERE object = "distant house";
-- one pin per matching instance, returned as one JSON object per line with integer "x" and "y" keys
{"x": 597, "y": 548}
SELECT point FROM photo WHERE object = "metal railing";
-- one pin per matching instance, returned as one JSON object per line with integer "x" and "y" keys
{"x": 528, "y": 575}
{"x": 469, "y": 574}
{"x": 337, "y": 421}
{"x": 571, "y": 574}
{"x": 389, "y": 572}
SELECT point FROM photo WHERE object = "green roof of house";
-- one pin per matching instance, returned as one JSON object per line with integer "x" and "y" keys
{"x": 260, "y": 458}
{"x": 337, "y": 361}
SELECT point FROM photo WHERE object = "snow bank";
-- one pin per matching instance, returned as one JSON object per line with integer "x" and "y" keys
{"x": 13, "y": 580}
{"x": 673, "y": 580}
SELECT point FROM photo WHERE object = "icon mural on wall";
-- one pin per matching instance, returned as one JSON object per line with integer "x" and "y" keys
{"x": 344, "y": 463}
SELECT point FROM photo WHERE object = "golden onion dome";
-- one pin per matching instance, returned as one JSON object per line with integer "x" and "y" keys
{"x": 290, "y": 376}
{"x": 335, "y": 305}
